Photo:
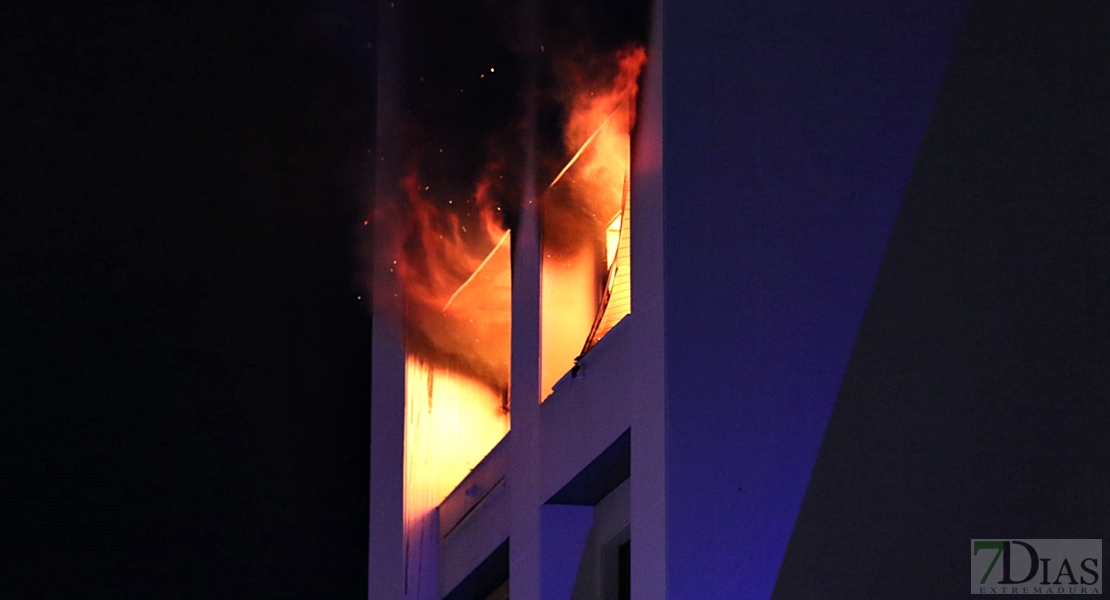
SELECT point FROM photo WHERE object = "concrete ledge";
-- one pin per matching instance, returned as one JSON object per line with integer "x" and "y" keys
{"x": 587, "y": 411}
{"x": 474, "y": 525}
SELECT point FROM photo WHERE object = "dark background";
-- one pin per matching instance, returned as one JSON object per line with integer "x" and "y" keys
{"x": 976, "y": 401}
{"x": 185, "y": 361}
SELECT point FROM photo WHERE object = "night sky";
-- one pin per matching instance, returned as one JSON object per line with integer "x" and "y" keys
{"x": 185, "y": 359}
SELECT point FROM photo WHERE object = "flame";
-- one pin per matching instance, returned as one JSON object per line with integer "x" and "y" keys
{"x": 591, "y": 110}
{"x": 452, "y": 262}
{"x": 455, "y": 277}
{"x": 453, "y": 268}
{"x": 457, "y": 284}
{"x": 584, "y": 202}
{"x": 452, "y": 421}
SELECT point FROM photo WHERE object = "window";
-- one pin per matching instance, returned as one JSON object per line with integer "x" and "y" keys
{"x": 624, "y": 571}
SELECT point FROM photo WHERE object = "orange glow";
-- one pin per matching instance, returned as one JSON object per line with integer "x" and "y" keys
{"x": 585, "y": 212}
{"x": 452, "y": 260}
{"x": 569, "y": 304}
{"x": 616, "y": 301}
{"x": 612, "y": 240}
{"x": 454, "y": 269}
{"x": 457, "y": 283}
{"x": 451, "y": 422}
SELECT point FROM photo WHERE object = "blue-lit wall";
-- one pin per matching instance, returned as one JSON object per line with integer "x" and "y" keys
{"x": 976, "y": 402}
{"x": 790, "y": 132}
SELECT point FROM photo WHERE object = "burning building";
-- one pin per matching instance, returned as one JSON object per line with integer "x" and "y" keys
{"x": 450, "y": 260}
{"x": 551, "y": 382}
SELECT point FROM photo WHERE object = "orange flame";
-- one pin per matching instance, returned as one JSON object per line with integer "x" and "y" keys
{"x": 457, "y": 284}
{"x": 454, "y": 273}
{"x": 584, "y": 200}
{"x": 451, "y": 423}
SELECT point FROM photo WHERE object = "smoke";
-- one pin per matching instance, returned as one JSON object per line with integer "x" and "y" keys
{"x": 598, "y": 95}
{"x": 455, "y": 270}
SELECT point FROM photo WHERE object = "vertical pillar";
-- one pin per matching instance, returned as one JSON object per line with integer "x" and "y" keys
{"x": 565, "y": 535}
{"x": 387, "y": 451}
{"x": 524, "y": 467}
{"x": 648, "y": 485}
{"x": 387, "y": 356}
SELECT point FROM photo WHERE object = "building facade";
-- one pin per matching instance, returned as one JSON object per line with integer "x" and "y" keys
{"x": 865, "y": 324}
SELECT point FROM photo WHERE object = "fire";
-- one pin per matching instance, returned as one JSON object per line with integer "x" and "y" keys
{"x": 458, "y": 285}
{"x": 452, "y": 261}
{"x": 451, "y": 422}
{"x": 445, "y": 440}
{"x": 455, "y": 274}
{"x": 585, "y": 211}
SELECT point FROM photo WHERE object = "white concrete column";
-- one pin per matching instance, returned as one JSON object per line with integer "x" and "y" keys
{"x": 648, "y": 485}
{"x": 385, "y": 571}
{"x": 524, "y": 467}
